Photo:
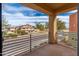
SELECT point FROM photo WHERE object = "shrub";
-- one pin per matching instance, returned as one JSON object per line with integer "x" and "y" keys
{"x": 22, "y": 32}
{"x": 11, "y": 35}
{"x": 4, "y": 33}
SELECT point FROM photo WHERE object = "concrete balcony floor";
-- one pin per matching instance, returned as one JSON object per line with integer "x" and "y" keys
{"x": 53, "y": 50}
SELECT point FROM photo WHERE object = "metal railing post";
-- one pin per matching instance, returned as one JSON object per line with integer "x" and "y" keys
{"x": 30, "y": 43}
{"x": 0, "y": 30}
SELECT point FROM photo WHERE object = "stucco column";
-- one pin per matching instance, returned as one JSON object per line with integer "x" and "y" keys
{"x": 52, "y": 29}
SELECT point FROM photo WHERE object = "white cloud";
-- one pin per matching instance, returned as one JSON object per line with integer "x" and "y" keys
{"x": 73, "y": 11}
{"x": 18, "y": 14}
{"x": 5, "y": 13}
{"x": 16, "y": 21}
{"x": 16, "y": 9}
{"x": 8, "y": 10}
{"x": 18, "y": 17}
{"x": 65, "y": 19}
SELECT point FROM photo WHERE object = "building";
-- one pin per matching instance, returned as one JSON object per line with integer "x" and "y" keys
{"x": 73, "y": 23}
{"x": 26, "y": 28}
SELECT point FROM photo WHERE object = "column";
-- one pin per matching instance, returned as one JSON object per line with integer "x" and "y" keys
{"x": 78, "y": 30}
{"x": 52, "y": 29}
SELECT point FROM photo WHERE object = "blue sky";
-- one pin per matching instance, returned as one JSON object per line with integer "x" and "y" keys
{"x": 17, "y": 14}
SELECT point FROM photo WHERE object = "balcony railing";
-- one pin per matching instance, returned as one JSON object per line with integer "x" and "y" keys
{"x": 23, "y": 44}
{"x": 69, "y": 38}
{"x": 27, "y": 43}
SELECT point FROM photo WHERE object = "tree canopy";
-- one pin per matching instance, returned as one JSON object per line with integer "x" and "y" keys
{"x": 60, "y": 25}
{"x": 40, "y": 26}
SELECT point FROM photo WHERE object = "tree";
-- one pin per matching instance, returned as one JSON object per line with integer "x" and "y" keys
{"x": 60, "y": 25}
{"x": 40, "y": 26}
{"x": 46, "y": 25}
{"x": 5, "y": 25}
{"x": 20, "y": 32}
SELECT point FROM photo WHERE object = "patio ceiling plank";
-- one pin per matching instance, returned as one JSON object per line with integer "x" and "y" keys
{"x": 36, "y": 7}
{"x": 52, "y": 8}
{"x": 65, "y": 8}
{"x": 45, "y": 6}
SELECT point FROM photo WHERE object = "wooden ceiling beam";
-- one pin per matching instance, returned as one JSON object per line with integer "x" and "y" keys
{"x": 66, "y": 8}
{"x": 49, "y": 9}
{"x": 45, "y": 6}
{"x": 37, "y": 7}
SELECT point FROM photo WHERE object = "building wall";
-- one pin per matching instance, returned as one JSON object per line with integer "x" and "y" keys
{"x": 73, "y": 23}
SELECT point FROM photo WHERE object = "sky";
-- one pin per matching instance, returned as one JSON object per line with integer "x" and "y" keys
{"x": 16, "y": 14}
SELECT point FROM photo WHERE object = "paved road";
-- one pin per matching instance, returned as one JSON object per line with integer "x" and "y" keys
{"x": 22, "y": 43}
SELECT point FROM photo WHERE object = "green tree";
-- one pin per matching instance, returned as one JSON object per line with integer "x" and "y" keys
{"x": 20, "y": 32}
{"x": 46, "y": 25}
{"x": 60, "y": 25}
{"x": 5, "y": 26}
{"x": 40, "y": 26}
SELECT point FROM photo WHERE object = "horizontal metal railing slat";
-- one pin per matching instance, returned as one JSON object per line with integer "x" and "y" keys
{"x": 21, "y": 44}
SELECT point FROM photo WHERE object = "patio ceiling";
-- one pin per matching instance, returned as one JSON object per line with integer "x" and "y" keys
{"x": 52, "y": 8}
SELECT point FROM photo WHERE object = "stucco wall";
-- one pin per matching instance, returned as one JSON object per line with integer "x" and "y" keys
{"x": 73, "y": 23}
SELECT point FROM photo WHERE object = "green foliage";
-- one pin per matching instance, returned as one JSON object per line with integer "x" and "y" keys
{"x": 21, "y": 32}
{"x": 4, "y": 33}
{"x": 46, "y": 25}
{"x": 60, "y": 25}
{"x": 40, "y": 26}
{"x": 18, "y": 31}
{"x": 11, "y": 35}
{"x": 5, "y": 24}
{"x": 5, "y": 27}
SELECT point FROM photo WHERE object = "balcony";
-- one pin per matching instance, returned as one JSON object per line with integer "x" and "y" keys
{"x": 41, "y": 44}
{"x": 36, "y": 44}
{"x": 53, "y": 50}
